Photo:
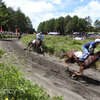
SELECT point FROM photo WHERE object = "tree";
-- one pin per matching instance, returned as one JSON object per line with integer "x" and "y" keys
{"x": 29, "y": 26}
{"x": 3, "y": 15}
{"x": 88, "y": 22}
{"x": 51, "y": 25}
{"x": 11, "y": 21}
{"x": 74, "y": 24}
{"x": 41, "y": 27}
{"x": 59, "y": 25}
{"x": 66, "y": 26}
{"x": 81, "y": 25}
{"x": 69, "y": 27}
{"x": 23, "y": 23}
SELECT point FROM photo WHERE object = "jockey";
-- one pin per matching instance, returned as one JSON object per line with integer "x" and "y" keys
{"x": 89, "y": 49}
{"x": 38, "y": 36}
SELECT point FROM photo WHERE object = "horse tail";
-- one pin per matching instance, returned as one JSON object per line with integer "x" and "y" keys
{"x": 62, "y": 54}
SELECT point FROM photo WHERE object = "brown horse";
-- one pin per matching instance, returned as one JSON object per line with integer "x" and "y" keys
{"x": 36, "y": 45}
{"x": 19, "y": 36}
{"x": 71, "y": 58}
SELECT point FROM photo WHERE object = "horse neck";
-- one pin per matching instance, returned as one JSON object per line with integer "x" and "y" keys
{"x": 38, "y": 42}
{"x": 97, "y": 54}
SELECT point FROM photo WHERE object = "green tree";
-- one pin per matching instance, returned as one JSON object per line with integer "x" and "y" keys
{"x": 11, "y": 21}
{"x": 88, "y": 22}
{"x": 74, "y": 24}
{"x": 23, "y": 23}
{"x": 69, "y": 28}
{"x": 20, "y": 20}
{"x": 81, "y": 25}
{"x": 51, "y": 25}
{"x": 59, "y": 25}
{"x": 97, "y": 25}
{"x": 29, "y": 26}
{"x": 66, "y": 21}
{"x": 3, "y": 15}
{"x": 41, "y": 27}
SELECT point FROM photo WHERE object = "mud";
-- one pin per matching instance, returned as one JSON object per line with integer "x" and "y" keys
{"x": 50, "y": 73}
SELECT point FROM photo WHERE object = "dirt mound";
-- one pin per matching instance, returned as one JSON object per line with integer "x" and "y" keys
{"x": 50, "y": 73}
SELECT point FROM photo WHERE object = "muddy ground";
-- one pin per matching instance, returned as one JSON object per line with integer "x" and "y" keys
{"x": 50, "y": 73}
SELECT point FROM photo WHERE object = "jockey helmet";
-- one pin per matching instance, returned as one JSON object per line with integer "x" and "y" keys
{"x": 97, "y": 40}
{"x": 41, "y": 33}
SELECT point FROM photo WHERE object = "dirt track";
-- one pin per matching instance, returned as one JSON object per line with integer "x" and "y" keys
{"x": 49, "y": 72}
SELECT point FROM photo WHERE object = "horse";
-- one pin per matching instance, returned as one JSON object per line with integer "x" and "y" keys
{"x": 19, "y": 36}
{"x": 90, "y": 60}
{"x": 36, "y": 45}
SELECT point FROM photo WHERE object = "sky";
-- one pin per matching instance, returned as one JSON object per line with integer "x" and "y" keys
{"x": 42, "y": 10}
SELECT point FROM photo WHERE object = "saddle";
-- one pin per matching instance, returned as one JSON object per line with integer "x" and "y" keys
{"x": 78, "y": 54}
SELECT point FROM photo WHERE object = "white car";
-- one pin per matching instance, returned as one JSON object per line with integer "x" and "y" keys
{"x": 78, "y": 38}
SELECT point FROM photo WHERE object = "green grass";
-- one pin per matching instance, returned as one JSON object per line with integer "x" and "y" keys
{"x": 53, "y": 44}
{"x": 8, "y": 36}
{"x": 1, "y": 53}
{"x": 14, "y": 87}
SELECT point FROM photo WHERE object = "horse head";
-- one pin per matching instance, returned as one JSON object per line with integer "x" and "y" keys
{"x": 97, "y": 54}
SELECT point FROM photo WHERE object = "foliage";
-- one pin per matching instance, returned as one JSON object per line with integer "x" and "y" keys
{"x": 1, "y": 53}
{"x": 97, "y": 25}
{"x": 11, "y": 19}
{"x": 8, "y": 36}
{"x": 53, "y": 44}
{"x": 14, "y": 87}
{"x": 66, "y": 25}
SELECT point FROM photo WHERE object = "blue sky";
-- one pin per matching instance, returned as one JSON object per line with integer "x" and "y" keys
{"x": 41, "y": 10}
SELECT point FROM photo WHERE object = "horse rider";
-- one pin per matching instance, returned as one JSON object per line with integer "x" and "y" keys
{"x": 19, "y": 35}
{"x": 89, "y": 49}
{"x": 38, "y": 36}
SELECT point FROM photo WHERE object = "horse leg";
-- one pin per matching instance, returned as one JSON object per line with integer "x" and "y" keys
{"x": 75, "y": 58}
{"x": 67, "y": 68}
{"x": 67, "y": 61}
{"x": 80, "y": 72}
{"x": 30, "y": 47}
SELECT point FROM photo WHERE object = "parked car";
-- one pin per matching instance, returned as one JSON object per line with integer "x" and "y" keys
{"x": 78, "y": 38}
{"x": 53, "y": 33}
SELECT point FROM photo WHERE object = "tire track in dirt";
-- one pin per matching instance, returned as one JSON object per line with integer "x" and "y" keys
{"x": 50, "y": 74}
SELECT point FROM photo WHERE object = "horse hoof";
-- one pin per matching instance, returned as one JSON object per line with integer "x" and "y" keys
{"x": 80, "y": 79}
{"x": 72, "y": 77}
{"x": 66, "y": 70}
{"x": 25, "y": 49}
